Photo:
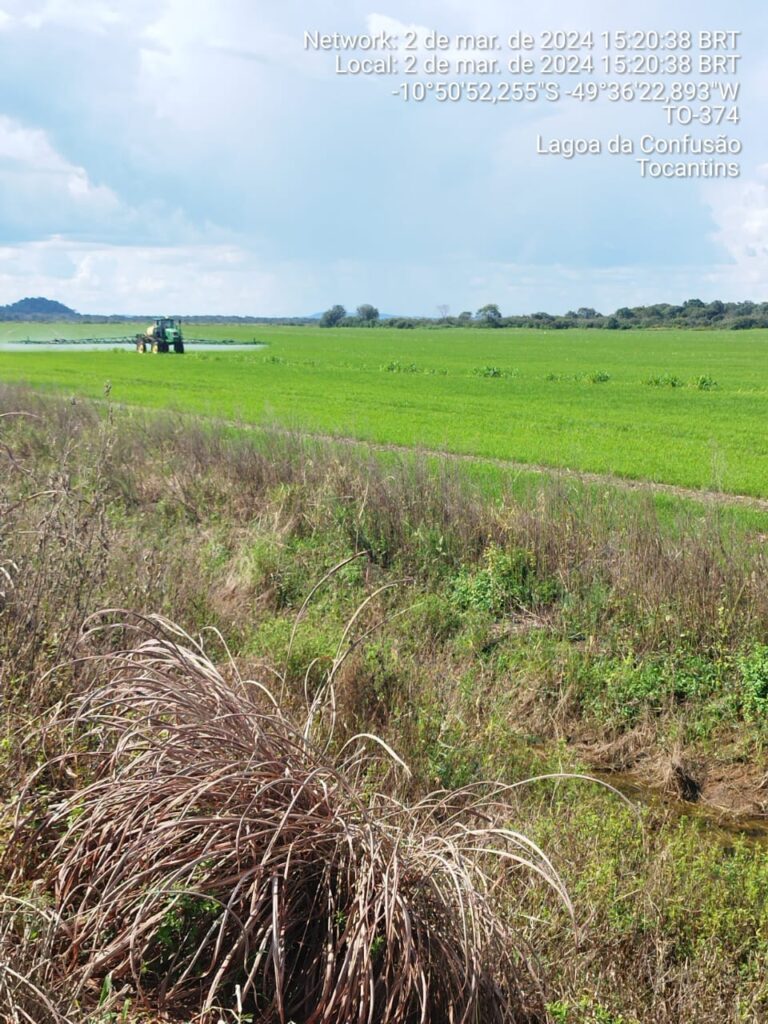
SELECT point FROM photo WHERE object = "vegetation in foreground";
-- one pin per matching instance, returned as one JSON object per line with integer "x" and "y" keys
{"x": 679, "y": 407}
{"x": 481, "y": 641}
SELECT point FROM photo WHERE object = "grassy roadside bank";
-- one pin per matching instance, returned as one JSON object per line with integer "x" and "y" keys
{"x": 519, "y": 635}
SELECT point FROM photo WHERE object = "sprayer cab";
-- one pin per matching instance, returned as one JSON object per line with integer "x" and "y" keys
{"x": 164, "y": 335}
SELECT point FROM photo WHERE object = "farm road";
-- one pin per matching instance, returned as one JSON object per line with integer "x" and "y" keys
{"x": 707, "y": 497}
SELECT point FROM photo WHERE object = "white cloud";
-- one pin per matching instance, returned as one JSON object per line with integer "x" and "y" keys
{"x": 181, "y": 113}
{"x": 138, "y": 279}
{"x": 85, "y": 15}
{"x": 384, "y": 23}
{"x": 33, "y": 172}
{"x": 231, "y": 279}
{"x": 740, "y": 212}
{"x": 742, "y": 217}
{"x": 42, "y": 194}
{"x": 211, "y": 69}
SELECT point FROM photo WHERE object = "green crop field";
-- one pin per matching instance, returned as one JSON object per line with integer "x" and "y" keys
{"x": 22, "y": 331}
{"x": 678, "y": 407}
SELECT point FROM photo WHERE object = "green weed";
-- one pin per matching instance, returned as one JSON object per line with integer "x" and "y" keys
{"x": 507, "y": 581}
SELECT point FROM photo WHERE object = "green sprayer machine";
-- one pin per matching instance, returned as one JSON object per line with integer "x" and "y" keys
{"x": 164, "y": 335}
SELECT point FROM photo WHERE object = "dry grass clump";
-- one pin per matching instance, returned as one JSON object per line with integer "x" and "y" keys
{"x": 26, "y": 936}
{"x": 220, "y": 853}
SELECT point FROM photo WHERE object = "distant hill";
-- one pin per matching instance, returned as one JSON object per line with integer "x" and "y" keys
{"x": 42, "y": 310}
{"x": 37, "y": 308}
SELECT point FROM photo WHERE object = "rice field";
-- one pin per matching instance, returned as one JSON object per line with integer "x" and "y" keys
{"x": 679, "y": 407}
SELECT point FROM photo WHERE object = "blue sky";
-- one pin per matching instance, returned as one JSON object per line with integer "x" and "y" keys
{"x": 190, "y": 156}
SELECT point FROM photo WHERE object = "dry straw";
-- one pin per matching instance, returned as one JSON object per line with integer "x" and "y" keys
{"x": 220, "y": 853}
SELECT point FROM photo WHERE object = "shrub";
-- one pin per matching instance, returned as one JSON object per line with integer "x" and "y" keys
{"x": 753, "y": 667}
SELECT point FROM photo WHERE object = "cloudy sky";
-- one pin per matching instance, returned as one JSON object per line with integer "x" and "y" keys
{"x": 190, "y": 156}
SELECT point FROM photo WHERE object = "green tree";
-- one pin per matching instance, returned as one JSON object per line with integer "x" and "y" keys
{"x": 367, "y": 313}
{"x": 489, "y": 314}
{"x": 331, "y": 317}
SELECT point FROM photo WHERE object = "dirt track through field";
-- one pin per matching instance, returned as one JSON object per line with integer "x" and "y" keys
{"x": 707, "y": 497}
{"x": 558, "y": 472}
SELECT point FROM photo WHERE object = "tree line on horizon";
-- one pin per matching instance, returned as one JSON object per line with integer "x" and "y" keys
{"x": 692, "y": 314}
